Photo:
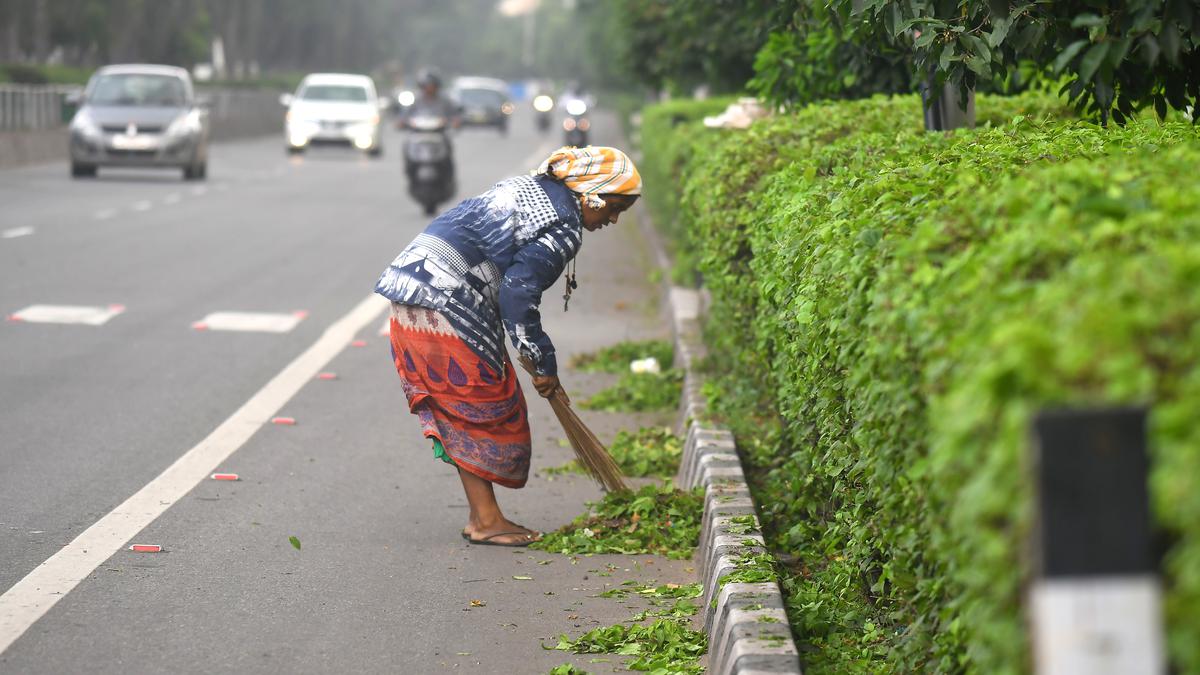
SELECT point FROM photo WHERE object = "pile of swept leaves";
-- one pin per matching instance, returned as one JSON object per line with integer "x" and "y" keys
{"x": 650, "y": 451}
{"x": 665, "y": 646}
{"x": 655, "y": 519}
{"x": 639, "y": 392}
{"x": 616, "y": 358}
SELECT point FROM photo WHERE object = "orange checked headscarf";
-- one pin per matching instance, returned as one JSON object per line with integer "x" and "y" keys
{"x": 593, "y": 171}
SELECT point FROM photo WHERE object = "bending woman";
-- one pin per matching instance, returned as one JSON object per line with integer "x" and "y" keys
{"x": 477, "y": 271}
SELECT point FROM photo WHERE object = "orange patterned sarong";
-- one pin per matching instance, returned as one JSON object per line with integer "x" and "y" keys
{"x": 479, "y": 417}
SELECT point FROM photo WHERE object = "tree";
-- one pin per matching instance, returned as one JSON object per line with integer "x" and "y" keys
{"x": 1115, "y": 56}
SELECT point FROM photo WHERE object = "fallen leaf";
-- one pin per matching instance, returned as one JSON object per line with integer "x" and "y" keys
{"x": 295, "y": 542}
{"x": 478, "y": 603}
{"x": 521, "y": 577}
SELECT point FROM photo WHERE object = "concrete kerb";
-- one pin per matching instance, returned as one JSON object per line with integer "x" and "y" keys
{"x": 748, "y": 630}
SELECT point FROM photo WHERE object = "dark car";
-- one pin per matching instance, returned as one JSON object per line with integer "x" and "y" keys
{"x": 484, "y": 101}
{"x": 140, "y": 116}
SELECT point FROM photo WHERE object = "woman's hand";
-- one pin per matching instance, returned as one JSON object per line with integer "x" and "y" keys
{"x": 546, "y": 385}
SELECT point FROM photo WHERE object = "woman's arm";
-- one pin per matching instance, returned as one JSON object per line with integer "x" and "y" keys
{"x": 535, "y": 267}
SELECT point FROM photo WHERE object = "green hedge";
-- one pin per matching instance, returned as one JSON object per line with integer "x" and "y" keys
{"x": 898, "y": 304}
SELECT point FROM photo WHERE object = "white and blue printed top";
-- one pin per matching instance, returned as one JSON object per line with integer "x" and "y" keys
{"x": 485, "y": 263}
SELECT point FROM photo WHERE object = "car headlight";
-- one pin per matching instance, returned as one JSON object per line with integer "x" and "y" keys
{"x": 543, "y": 103}
{"x": 576, "y": 107}
{"x": 185, "y": 125}
{"x": 84, "y": 124}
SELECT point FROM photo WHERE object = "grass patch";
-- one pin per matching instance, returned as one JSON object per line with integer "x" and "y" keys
{"x": 655, "y": 519}
{"x": 649, "y": 451}
{"x": 663, "y": 646}
{"x": 616, "y": 358}
{"x": 639, "y": 392}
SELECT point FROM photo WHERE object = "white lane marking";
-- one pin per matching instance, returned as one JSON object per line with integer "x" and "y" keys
{"x": 88, "y": 316}
{"x": 30, "y": 598}
{"x": 141, "y": 206}
{"x": 199, "y": 190}
{"x": 172, "y": 198}
{"x": 250, "y": 322}
{"x": 105, "y": 214}
{"x": 16, "y": 232}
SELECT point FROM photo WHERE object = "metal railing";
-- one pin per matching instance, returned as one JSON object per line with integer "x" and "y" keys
{"x": 25, "y": 107}
{"x": 232, "y": 112}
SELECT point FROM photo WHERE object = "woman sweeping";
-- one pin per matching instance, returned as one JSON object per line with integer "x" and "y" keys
{"x": 477, "y": 271}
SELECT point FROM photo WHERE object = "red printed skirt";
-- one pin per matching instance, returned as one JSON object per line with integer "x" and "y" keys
{"x": 480, "y": 418}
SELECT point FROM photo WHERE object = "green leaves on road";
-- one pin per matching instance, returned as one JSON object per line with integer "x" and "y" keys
{"x": 639, "y": 392}
{"x": 649, "y": 451}
{"x": 654, "y": 519}
{"x": 616, "y": 358}
{"x": 295, "y": 542}
{"x": 664, "y": 646}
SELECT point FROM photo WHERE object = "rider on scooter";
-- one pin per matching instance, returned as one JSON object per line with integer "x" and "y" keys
{"x": 431, "y": 102}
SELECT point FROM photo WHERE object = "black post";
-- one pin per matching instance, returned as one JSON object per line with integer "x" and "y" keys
{"x": 946, "y": 113}
{"x": 1095, "y": 600}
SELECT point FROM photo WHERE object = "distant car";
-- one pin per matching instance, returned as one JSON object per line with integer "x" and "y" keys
{"x": 485, "y": 101}
{"x": 140, "y": 116}
{"x": 334, "y": 109}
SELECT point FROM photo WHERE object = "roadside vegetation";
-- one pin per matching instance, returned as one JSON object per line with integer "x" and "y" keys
{"x": 891, "y": 306}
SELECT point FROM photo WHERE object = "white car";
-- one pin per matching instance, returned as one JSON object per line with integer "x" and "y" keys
{"x": 334, "y": 109}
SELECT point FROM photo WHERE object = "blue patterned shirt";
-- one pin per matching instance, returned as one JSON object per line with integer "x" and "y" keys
{"x": 485, "y": 263}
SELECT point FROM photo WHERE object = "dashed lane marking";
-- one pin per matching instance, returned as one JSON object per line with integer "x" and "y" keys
{"x": 71, "y": 314}
{"x": 251, "y": 322}
{"x": 200, "y": 190}
{"x": 141, "y": 206}
{"x": 30, "y": 598}
{"x": 105, "y": 214}
{"x": 16, "y": 232}
{"x": 172, "y": 198}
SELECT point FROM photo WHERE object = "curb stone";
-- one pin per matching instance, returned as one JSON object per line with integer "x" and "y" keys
{"x": 747, "y": 626}
{"x": 748, "y": 630}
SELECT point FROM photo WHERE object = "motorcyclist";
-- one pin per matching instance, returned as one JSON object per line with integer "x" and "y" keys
{"x": 431, "y": 102}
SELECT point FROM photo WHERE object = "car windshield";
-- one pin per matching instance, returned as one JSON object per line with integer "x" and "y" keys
{"x": 481, "y": 97}
{"x": 334, "y": 92}
{"x": 135, "y": 89}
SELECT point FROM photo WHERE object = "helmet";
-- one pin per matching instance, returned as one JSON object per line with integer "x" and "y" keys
{"x": 428, "y": 77}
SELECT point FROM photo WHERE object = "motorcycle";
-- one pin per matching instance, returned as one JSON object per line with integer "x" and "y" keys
{"x": 543, "y": 107}
{"x": 576, "y": 124}
{"x": 428, "y": 162}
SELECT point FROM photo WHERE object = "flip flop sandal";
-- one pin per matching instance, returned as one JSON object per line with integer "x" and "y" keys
{"x": 487, "y": 541}
{"x": 468, "y": 537}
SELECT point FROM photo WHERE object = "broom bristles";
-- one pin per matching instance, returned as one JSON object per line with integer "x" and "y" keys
{"x": 589, "y": 451}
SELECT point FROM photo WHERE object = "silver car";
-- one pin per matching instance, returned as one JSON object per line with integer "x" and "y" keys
{"x": 140, "y": 116}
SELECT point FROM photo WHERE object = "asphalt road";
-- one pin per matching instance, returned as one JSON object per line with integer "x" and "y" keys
{"x": 91, "y": 414}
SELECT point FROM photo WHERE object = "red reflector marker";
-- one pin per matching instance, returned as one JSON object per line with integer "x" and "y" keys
{"x": 287, "y": 421}
{"x": 116, "y": 308}
{"x": 327, "y": 376}
{"x": 146, "y": 548}
{"x": 14, "y": 317}
{"x": 200, "y": 325}
{"x": 300, "y": 314}
{"x": 225, "y": 476}
{"x": 359, "y": 343}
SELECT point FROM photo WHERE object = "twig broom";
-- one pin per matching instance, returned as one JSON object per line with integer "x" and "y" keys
{"x": 589, "y": 451}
